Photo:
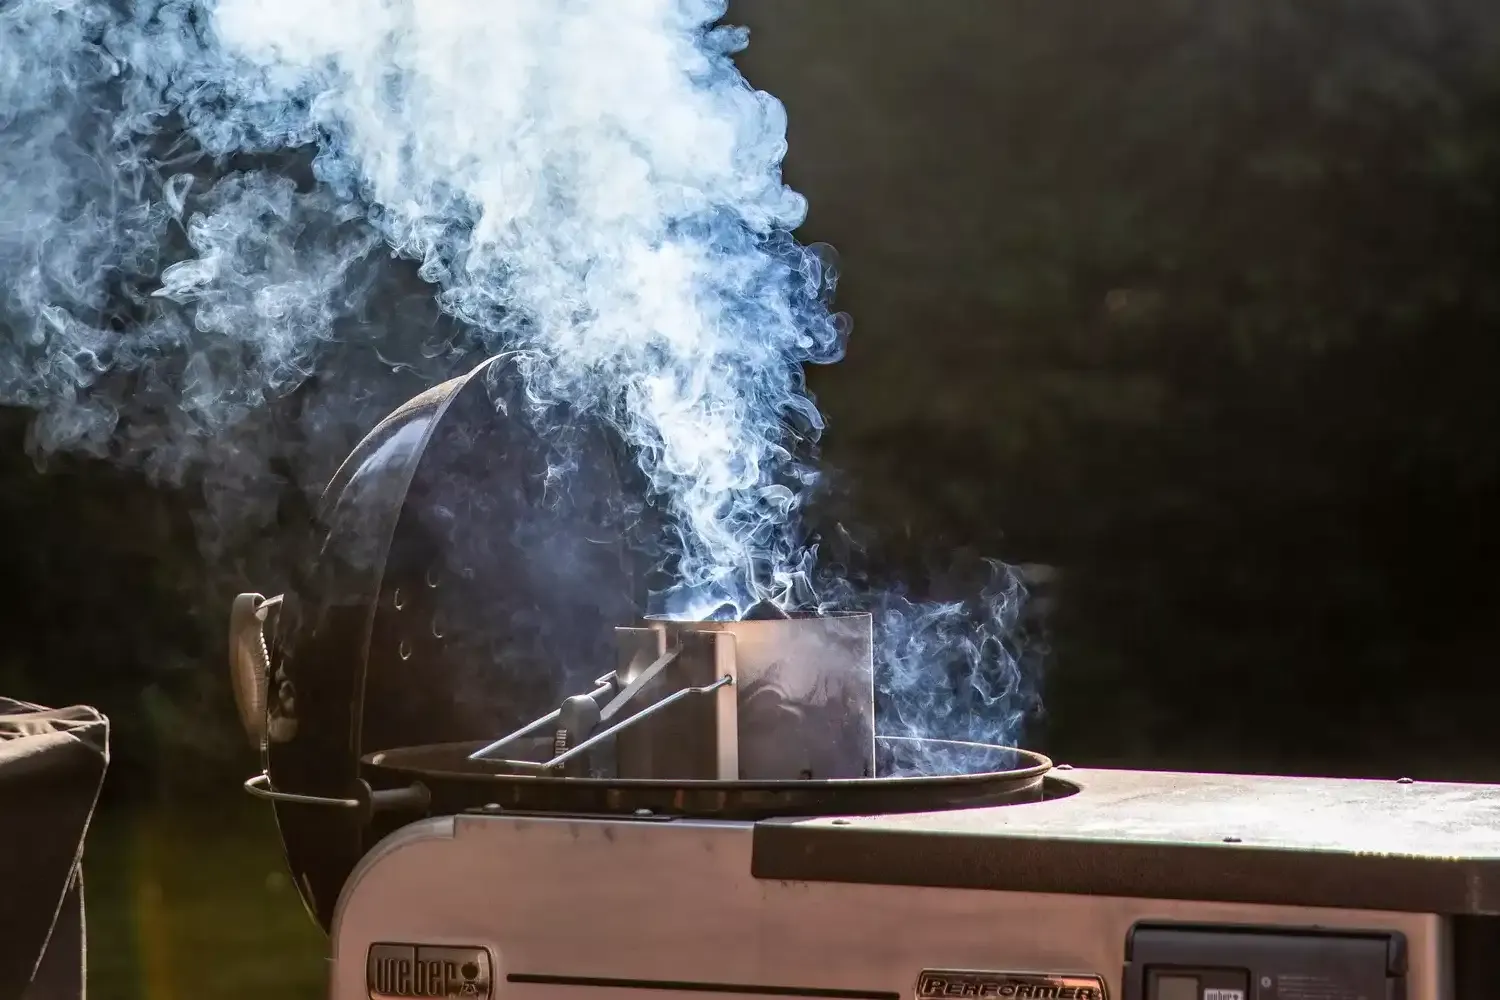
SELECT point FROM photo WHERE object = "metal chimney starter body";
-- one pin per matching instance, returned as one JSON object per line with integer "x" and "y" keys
{"x": 800, "y": 705}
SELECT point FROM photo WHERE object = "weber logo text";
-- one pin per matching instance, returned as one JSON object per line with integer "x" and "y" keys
{"x": 427, "y": 972}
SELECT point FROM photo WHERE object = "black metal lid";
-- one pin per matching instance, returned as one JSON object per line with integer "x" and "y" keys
{"x": 462, "y": 585}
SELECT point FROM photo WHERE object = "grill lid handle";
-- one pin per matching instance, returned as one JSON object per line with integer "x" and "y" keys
{"x": 250, "y": 662}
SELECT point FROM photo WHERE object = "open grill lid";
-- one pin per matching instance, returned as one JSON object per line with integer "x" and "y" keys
{"x": 476, "y": 550}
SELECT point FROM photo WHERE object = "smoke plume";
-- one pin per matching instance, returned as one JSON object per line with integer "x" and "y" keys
{"x": 199, "y": 198}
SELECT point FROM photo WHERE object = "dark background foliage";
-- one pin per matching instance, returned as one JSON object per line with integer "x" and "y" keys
{"x": 1196, "y": 303}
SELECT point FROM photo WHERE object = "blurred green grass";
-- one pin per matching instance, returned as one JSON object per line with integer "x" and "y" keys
{"x": 192, "y": 902}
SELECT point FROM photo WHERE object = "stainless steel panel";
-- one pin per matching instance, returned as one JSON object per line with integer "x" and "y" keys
{"x": 806, "y": 694}
{"x": 675, "y": 902}
{"x": 695, "y": 739}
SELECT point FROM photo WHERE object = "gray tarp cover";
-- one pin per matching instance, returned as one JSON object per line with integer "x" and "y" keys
{"x": 52, "y": 764}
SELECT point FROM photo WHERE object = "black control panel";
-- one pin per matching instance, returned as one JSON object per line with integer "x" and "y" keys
{"x": 1165, "y": 961}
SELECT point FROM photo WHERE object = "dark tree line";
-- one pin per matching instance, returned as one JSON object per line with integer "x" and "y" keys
{"x": 1201, "y": 304}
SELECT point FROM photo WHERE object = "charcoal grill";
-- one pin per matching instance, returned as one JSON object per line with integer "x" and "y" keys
{"x": 494, "y": 774}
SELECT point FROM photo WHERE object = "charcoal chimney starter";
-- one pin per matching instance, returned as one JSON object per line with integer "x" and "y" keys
{"x": 788, "y": 698}
{"x": 799, "y": 703}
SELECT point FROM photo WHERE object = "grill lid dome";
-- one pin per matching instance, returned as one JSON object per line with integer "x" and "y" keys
{"x": 476, "y": 551}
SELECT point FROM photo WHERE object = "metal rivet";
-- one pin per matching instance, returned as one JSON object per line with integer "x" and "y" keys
{"x": 1062, "y": 767}
{"x": 437, "y": 626}
{"x": 644, "y": 812}
{"x": 1233, "y": 840}
{"x": 432, "y": 576}
{"x": 404, "y": 650}
{"x": 841, "y": 822}
{"x": 397, "y": 601}
{"x": 1404, "y": 781}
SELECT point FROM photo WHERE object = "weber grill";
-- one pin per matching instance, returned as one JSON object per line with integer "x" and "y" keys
{"x": 494, "y": 773}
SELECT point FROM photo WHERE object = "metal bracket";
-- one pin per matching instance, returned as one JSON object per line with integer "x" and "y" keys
{"x": 260, "y": 787}
{"x": 605, "y": 686}
{"x": 702, "y": 663}
{"x": 414, "y": 796}
{"x": 644, "y": 713}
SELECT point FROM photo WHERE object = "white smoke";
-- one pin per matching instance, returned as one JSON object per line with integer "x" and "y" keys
{"x": 154, "y": 305}
{"x": 589, "y": 181}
